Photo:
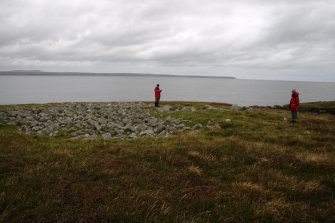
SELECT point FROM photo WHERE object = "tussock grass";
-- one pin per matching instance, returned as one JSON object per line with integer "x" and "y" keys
{"x": 256, "y": 168}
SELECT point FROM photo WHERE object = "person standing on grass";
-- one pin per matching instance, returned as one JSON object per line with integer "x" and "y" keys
{"x": 294, "y": 105}
{"x": 157, "y": 95}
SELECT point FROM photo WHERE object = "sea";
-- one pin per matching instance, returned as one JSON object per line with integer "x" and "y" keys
{"x": 50, "y": 89}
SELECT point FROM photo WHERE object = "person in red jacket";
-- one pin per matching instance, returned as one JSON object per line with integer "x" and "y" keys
{"x": 294, "y": 105}
{"x": 157, "y": 95}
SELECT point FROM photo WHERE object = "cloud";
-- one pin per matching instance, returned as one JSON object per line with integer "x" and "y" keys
{"x": 255, "y": 38}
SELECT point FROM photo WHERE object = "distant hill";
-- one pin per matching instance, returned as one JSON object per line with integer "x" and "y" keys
{"x": 42, "y": 73}
{"x": 25, "y": 71}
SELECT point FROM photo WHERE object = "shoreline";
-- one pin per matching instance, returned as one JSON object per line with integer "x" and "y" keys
{"x": 87, "y": 74}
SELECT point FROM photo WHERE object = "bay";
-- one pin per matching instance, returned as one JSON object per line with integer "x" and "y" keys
{"x": 47, "y": 89}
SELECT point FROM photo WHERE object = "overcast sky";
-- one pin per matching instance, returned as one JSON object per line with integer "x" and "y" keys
{"x": 253, "y": 39}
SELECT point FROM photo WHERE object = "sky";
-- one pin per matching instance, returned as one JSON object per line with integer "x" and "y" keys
{"x": 247, "y": 39}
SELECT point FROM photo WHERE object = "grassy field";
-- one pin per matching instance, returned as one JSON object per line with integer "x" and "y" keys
{"x": 319, "y": 107}
{"x": 257, "y": 168}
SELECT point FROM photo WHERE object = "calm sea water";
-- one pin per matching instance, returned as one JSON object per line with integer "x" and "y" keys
{"x": 39, "y": 89}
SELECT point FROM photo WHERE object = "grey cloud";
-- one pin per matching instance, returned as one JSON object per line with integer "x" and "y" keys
{"x": 248, "y": 37}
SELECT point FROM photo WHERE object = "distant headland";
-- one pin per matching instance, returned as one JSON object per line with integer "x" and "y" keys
{"x": 43, "y": 73}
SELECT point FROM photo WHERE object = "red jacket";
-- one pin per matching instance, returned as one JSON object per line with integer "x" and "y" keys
{"x": 157, "y": 93}
{"x": 294, "y": 103}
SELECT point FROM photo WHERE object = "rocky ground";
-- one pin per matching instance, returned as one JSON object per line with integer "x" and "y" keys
{"x": 94, "y": 120}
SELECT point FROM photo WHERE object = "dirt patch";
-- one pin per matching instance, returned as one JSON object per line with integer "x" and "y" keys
{"x": 198, "y": 192}
{"x": 115, "y": 164}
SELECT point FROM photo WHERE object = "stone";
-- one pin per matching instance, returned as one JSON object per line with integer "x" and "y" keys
{"x": 234, "y": 108}
{"x": 180, "y": 126}
{"x": 152, "y": 122}
{"x": 133, "y": 135}
{"x": 36, "y": 128}
{"x": 97, "y": 127}
{"x": 250, "y": 109}
{"x": 147, "y": 132}
{"x": 107, "y": 136}
{"x": 165, "y": 108}
{"x": 209, "y": 123}
{"x": 197, "y": 126}
{"x": 140, "y": 128}
{"x": 307, "y": 132}
{"x": 160, "y": 128}
{"x": 33, "y": 124}
{"x": 90, "y": 120}
{"x": 209, "y": 107}
{"x": 74, "y": 134}
{"x": 119, "y": 131}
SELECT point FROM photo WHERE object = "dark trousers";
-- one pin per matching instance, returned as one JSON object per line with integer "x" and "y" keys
{"x": 157, "y": 102}
{"x": 294, "y": 116}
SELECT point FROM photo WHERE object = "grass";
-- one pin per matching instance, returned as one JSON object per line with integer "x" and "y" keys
{"x": 320, "y": 107}
{"x": 316, "y": 107}
{"x": 256, "y": 168}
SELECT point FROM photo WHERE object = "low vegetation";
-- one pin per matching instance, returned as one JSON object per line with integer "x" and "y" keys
{"x": 249, "y": 165}
{"x": 319, "y": 107}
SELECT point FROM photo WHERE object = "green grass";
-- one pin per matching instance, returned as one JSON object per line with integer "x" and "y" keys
{"x": 321, "y": 107}
{"x": 317, "y": 107}
{"x": 256, "y": 168}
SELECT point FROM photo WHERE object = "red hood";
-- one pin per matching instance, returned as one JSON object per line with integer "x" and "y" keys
{"x": 295, "y": 94}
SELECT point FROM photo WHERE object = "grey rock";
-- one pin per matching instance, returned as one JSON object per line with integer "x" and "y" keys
{"x": 147, "y": 132}
{"x": 197, "y": 126}
{"x": 74, "y": 134}
{"x": 97, "y": 127}
{"x": 139, "y": 128}
{"x": 119, "y": 131}
{"x": 33, "y": 124}
{"x": 209, "y": 107}
{"x": 160, "y": 128}
{"x": 35, "y": 128}
{"x": 133, "y": 135}
{"x": 88, "y": 120}
{"x": 165, "y": 108}
{"x": 250, "y": 109}
{"x": 235, "y": 108}
{"x": 107, "y": 136}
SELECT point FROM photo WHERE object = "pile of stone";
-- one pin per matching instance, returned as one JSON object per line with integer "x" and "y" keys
{"x": 93, "y": 120}
{"x": 175, "y": 108}
{"x": 236, "y": 108}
